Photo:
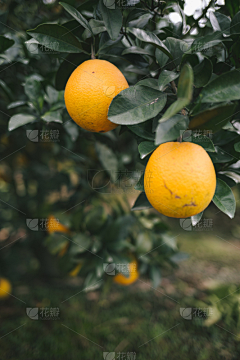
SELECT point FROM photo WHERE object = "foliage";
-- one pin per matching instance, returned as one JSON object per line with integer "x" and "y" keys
{"x": 184, "y": 85}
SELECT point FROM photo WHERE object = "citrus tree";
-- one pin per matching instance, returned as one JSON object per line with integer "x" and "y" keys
{"x": 64, "y": 188}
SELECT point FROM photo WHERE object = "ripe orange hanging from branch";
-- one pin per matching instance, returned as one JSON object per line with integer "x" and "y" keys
{"x": 180, "y": 179}
{"x": 89, "y": 92}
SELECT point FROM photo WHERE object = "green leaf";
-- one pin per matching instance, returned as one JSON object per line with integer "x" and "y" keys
{"x": 144, "y": 243}
{"x": 19, "y": 120}
{"x": 108, "y": 160}
{"x": 235, "y": 24}
{"x": 171, "y": 129}
{"x": 143, "y": 130}
{"x": 55, "y": 243}
{"x": 205, "y": 42}
{"x": 155, "y": 276}
{"x": 220, "y": 156}
{"x": 213, "y": 119}
{"x": 161, "y": 57}
{"x": 77, "y": 16}
{"x": 153, "y": 83}
{"x": 81, "y": 243}
{"x": 145, "y": 148}
{"x": 69, "y": 64}
{"x": 225, "y": 87}
{"x": 150, "y": 38}
{"x": 57, "y": 38}
{"x": 112, "y": 19}
{"x": 177, "y": 48}
{"x": 97, "y": 27}
{"x": 224, "y": 198}
{"x": 166, "y": 77}
{"x": 140, "y": 184}
{"x": 224, "y": 22}
{"x": 205, "y": 142}
{"x": 135, "y": 13}
{"x": 202, "y": 73}
{"x": 136, "y": 50}
{"x": 15, "y": 104}
{"x": 214, "y": 21}
{"x": 5, "y": 43}
{"x": 33, "y": 90}
{"x": 184, "y": 94}
{"x": 141, "y": 203}
{"x": 237, "y": 147}
{"x": 52, "y": 116}
{"x": 136, "y": 105}
{"x": 196, "y": 218}
{"x": 72, "y": 129}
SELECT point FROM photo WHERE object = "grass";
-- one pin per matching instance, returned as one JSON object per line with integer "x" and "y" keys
{"x": 135, "y": 319}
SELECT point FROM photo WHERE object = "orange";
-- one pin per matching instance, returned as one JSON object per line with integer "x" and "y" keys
{"x": 89, "y": 92}
{"x": 75, "y": 270}
{"x": 180, "y": 179}
{"x": 133, "y": 275}
{"x": 5, "y": 288}
{"x": 54, "y": 225}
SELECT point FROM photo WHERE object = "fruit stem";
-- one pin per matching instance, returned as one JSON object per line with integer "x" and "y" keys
{"x": 92, "y": 52}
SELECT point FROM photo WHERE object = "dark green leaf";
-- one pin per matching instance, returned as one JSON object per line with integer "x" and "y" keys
{"x": 52, "y": 116}
{"x": 177, "y": 48}
{"x": 77, "y": 16}
{"x": 237, "y": 147}
{"x": 153, "y": 83}
{"x": 140, "y": 184}
{"x": 69, "y": 64}
{"x": 213, "y": 119}
{"x": 205, "y": 142}
{"x": 150, "y": 38}
{"x": 235, "y": 24}
{"x": 184, "y": 94}
{"x": 97, "y": 27}
{"x": 155, "y": 276}
{"x": 141, "y": 203}
{"x": 57, "y": 38}
{"x": 81, "y": 243}
{"x": 171, "y": 129}
{"x": 205, "y": 42}
{"x": 224, "y": 198}
{"x": 135, "y": 105}
{"x": 5, "y": 43}
{"x": 220, "y": 156}
{"x": 143, "y": 130}
{"x": 226, "y": 87}
{"x": 161, "y": 57}
{"x": 136, "y": 50}
{"x": 224, "y": 22}
{"x": 108, "y": 159}
{"x": 166, "y": 77}
{"x": 202, "y": 73}
{"x": 196, "y": 218}
{"x": 19, "y": 120}
{"x": 145, "y": 148}
{"x": 112, "y": 19}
